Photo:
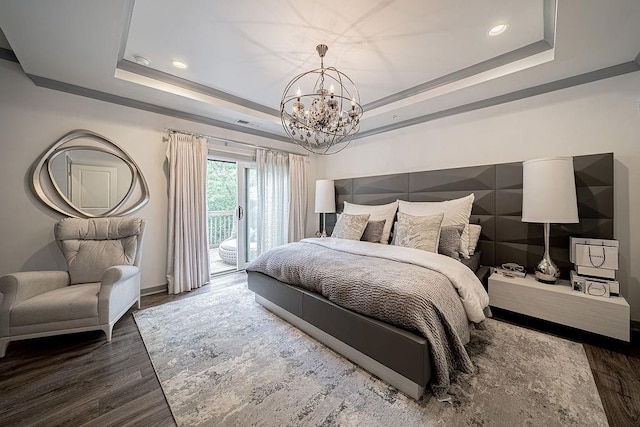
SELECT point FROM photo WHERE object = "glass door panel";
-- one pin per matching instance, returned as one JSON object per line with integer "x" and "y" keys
{"x": 247, "y": 213}
{"x": 222, "y": 202}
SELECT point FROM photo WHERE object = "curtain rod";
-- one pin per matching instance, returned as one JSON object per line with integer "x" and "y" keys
{"x": 227, "y": 141}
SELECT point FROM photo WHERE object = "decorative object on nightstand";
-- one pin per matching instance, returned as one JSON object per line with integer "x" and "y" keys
{"x": 511, "y": 269}
{"x": 325, "y": 201}
{"x": 594, "y": 257}
{"x": 549, "y": 196}
{"x": 596, "y": 263}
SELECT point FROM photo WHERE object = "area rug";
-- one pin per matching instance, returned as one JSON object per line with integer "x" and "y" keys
{"x": 222, "y": 359}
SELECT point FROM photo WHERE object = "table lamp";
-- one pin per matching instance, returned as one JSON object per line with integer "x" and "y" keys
{"x": 325, "y": 201}
{"x": 549, "y": 196}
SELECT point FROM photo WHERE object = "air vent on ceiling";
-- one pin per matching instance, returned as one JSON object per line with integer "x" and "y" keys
{"x": 248, "y": 123}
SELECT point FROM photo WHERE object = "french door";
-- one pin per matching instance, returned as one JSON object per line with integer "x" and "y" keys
{"x": 231, "y": 213}
{"x": 246, "y": 213}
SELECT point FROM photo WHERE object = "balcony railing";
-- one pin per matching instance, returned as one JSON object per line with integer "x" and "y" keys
{"x": 219, "y": 226}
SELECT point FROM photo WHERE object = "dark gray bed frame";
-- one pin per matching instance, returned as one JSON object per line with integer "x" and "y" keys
{"x": 400, "y": 357}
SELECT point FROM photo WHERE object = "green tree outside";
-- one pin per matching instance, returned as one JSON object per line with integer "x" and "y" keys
{"x": 221, "y": 186}
{"x": 221, "y": 196}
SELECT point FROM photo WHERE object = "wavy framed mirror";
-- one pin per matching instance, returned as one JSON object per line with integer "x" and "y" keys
{"x": 85, "y": 175}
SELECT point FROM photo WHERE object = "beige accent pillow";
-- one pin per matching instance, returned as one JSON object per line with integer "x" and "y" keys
{"x": 419, "y": 232}
{"x": 378, "y": 213}
{"x": 474, "y": 236}
{"x": 350, "y": 227}
{"x": 456, "y": 211}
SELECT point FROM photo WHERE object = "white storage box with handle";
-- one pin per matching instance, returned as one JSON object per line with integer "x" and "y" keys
{"x": 597, "y": 256}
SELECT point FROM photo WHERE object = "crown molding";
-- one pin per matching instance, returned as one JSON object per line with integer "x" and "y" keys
{"x": 8, "y": 55}
{"x": 603, "y": 73}
{"x": 140, "y": 105}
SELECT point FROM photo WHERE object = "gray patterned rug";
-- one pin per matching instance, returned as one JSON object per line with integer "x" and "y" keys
{"x": 224, "y": 360}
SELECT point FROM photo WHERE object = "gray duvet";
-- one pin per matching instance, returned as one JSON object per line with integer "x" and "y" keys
{"x": 406, "y": 295}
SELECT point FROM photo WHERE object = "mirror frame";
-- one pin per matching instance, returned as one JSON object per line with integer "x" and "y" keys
{"x": 63, "y": 150}
{"x": 38, "y": 186}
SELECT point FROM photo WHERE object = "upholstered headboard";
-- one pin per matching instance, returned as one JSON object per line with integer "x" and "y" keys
{"x": 498, "y": 205}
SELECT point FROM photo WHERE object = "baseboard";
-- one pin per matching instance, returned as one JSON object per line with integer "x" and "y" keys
{"x": 154, "y": 290}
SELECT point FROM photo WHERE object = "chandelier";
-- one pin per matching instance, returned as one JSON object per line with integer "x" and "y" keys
{"x": 320, "y": 109}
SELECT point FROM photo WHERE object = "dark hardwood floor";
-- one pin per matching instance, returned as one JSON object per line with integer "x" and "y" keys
{"x": 80, "y": 379}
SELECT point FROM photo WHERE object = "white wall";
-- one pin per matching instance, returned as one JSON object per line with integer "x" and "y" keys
{"x": 33, "y": 118}
{"x": 599, "y": 117}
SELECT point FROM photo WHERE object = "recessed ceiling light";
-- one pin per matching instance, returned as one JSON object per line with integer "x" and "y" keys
{"x": 497, "y": 30}
{"x": 179, "y": 64}
{"x": 141, "y": 60}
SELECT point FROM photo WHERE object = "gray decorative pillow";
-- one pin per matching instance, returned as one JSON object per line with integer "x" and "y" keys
{"x": 373, "y": 231}
{"x": 419, "y": 232}
{"x": 450, "y": 240}
{"x": 350, "y": 227}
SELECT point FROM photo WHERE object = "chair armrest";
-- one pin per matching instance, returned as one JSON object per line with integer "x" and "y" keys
{"x": 117, "y": 273}
{"x": 120, "y": 285}
{"x": 18, "y": 287}
{"x": 22, "y": 286}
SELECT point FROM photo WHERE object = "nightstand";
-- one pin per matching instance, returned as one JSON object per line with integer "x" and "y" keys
{"x": 558, "y": 303}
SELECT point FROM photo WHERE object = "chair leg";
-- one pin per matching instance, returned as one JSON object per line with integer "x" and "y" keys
{"x": 4, "y": 343}
{"x": 108, "y": 330}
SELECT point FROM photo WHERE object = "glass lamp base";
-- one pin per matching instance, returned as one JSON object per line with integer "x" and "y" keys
{"x": 547, "y": 272}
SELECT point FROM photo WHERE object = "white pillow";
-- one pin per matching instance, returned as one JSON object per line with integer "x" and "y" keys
{"x": 474, "y": 236}
{"x": 377, "y": 213}
{"x": 456, "y": 211}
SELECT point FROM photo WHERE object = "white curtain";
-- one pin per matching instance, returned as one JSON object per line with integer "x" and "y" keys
{"x": 188, "y": 258}
{"x": 298, "y": 198}
{"x": 273, "y": 199}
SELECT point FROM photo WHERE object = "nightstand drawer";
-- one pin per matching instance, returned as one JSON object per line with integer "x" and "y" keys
{"x": 559, "y": 304}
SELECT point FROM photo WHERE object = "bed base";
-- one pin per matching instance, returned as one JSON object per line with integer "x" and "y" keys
{"x": 396, "y": 356}
{"x": 403, "y": 384}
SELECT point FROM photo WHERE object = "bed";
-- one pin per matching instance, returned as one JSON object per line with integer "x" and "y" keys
{"x": 392, "y": 342}
{"x": 402, "y": 357}
{"x": 399, "y": 357}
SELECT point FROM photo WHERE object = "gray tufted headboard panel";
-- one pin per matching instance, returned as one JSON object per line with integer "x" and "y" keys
{"x": 498, "y": 205}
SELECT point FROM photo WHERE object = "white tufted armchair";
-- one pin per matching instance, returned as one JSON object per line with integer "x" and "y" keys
{"x": 102, "y": 282}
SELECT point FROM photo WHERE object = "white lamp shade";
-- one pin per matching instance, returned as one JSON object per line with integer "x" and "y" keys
{"x": 325, "y": 196}
{"x": 549, "y": 191}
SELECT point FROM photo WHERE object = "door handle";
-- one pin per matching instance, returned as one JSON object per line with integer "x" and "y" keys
{"x": 240, "y": 213}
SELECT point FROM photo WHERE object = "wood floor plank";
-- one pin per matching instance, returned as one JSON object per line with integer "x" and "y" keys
{"x": 620, "y": 399}
{"x": 133, "y": 413}
{"x": 610, "y": 362}
{"x": 80, "y": 379}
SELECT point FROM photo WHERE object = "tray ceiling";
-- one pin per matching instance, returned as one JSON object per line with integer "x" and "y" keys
{"x": 409, "y": 59}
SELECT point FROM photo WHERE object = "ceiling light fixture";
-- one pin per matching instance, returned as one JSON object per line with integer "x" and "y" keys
{"x": 141, "y": 60}
{"x": 498, "y": 29}
{"x": 179, "y": 64}
{"x": 321, "y": 120}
